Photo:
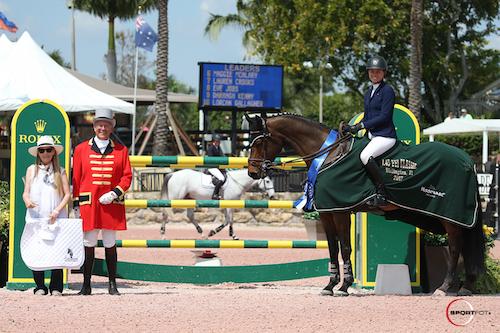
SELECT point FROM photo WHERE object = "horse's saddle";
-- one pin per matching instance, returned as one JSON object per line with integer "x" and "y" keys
{"x": 431, "y": 178}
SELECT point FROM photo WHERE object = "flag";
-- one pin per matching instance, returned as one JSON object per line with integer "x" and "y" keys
{"x": 145, "y": 36}
{"x": 5, "y": 24}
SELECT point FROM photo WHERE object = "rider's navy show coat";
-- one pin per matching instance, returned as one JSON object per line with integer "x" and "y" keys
{"x": 378, "y": 111}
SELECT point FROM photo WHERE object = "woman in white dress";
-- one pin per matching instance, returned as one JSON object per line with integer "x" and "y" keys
{"x": 46, "y": 194}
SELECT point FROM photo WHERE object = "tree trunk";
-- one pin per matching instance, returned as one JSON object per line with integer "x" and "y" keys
{"x": 415, "y": 98}
{"x": 111, "y": 55}
{"x": 160, "y": 139}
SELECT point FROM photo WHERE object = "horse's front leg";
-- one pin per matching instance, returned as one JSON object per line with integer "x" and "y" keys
{"x": 163, "y": 224}
{"x": 229, "y": 220}
{"x": 343, "y": 227}
{"x": 333, "y": 248}
{"x": 220, "y": 227}
{"x": 455, "y": 245}
{"x": 190, "y": 215}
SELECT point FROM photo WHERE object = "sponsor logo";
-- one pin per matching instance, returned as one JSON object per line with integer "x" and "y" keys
{"x": 432, "y": 192}
{"x": 40, "y": 125}
{"x": 460, "y": 312}
{"x": 31, "y": 138}
{"x": 69, "y": 256}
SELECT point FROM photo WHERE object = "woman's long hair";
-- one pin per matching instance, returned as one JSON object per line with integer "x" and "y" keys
{"x": 57, "y": 171}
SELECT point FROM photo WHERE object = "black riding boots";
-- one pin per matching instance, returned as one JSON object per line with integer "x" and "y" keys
{"x": 88, "y": 266}
{"x": 111, "y": 260}
{"x": 218, "y": 184}
{"x": 376, "y": 177}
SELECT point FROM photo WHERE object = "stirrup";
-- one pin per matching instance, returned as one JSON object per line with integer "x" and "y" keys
{"x": 377, "y": 201}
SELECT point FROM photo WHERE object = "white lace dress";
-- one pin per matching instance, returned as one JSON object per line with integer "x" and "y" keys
{"x": 43, "y": 192}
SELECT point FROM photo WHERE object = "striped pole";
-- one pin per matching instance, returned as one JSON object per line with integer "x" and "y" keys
{"x": 185, "y": 162}
{"x": 284, "y": 204}
{"x": 221, "y": 244}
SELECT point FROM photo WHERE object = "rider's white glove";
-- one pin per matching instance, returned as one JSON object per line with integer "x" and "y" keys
{"x": 108, "y": 198}
{"x": 76, "y": 212}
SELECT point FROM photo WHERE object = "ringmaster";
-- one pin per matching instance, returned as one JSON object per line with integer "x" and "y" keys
{"x": 101, "y": 176}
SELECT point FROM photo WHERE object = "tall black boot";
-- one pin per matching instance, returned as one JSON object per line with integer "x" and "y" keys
{"x": 376, "y": 177}
{"x": 218, "y": 184}
{"x": 88, "y": 266}
{"x": 111, "y": 260}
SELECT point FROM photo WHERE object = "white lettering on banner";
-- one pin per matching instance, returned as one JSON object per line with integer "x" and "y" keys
{"x": 484, "y": 181}
{"x": 432, "y": 192}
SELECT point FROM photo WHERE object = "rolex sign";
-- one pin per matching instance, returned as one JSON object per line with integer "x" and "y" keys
{"x": 31, "y": 120}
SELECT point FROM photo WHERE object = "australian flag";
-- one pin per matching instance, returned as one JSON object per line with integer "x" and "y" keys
{"x": 5, "y": 24}
{"x": 145, "y": 36}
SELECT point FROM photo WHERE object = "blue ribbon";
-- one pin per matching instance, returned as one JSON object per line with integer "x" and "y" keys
{"x": 306, "y": 200}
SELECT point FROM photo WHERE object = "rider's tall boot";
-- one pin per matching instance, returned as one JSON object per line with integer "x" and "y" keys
{"x": 375, "y": 174}
{"x": 88, "y": 266}
{"x": 111, "y": 261}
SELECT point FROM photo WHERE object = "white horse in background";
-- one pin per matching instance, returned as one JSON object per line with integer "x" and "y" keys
{"x": 192, "y": 184}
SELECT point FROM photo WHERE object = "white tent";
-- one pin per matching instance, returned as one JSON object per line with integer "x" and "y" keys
{"x": 27, "y": 73}
{"x": 463, "y": 126}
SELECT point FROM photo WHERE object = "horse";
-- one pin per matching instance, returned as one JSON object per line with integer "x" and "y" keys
{"x": 306, "y": 137}
{"x": 192, "y": 184}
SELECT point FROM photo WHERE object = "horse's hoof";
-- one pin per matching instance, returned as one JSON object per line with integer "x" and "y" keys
{"x": 464, "y": 292}
{"x": 326, "y": 292}
{"x": 211, "y": 233}
{"x": 236, "y": 238}
{"x": 439, "y": 292}
{"x": 340, "y": 293}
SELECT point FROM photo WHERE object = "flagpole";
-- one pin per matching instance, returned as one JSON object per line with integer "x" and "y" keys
{"x": 135, "y": 100}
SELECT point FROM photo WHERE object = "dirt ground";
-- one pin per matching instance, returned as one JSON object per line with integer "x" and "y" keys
{"x": 288, "y": 306}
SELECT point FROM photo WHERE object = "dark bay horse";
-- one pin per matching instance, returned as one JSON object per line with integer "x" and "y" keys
{"x": 305, "y": 137}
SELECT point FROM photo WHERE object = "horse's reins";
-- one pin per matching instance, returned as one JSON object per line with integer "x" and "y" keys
{"x": 267, "y": 164}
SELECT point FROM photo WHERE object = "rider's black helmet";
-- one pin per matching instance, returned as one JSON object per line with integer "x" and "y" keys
{"x": 216, "y": 137}
{"x": 376, "y": 62}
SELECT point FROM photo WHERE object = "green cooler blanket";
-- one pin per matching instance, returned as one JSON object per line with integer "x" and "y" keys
{"x": 431, "y": 178}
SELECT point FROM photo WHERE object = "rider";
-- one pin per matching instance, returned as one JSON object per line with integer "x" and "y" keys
{"x": 218, "y": 175}
{"x": 377, "y": 120}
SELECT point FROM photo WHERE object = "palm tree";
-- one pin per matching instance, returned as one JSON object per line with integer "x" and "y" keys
{"x": 415, "y": 96}
{"x": 239, "y": 20}
{"x": 111, "y": 9}
{"x": 161, "y": 130}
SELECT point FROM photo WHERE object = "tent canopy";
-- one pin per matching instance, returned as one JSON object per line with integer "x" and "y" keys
{"x": 464, "y": 126}
{"x": 460, "y": 126}
{"x": 29, "y": 73}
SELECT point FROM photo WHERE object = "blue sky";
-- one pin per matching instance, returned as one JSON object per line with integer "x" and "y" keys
{"x": 48, "y": 22}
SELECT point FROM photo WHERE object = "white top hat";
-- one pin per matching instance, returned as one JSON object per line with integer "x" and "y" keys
{"x": 43, "y": 142}
{"x": 104, "y": 114}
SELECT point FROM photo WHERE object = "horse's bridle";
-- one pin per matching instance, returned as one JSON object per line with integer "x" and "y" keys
{"x": 266, "y": 164}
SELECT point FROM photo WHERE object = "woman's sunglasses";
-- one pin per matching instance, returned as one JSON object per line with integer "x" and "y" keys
{"x": 45, "y": 150}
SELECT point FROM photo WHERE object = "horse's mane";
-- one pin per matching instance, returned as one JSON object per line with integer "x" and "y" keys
{"x": 300, "y": 118}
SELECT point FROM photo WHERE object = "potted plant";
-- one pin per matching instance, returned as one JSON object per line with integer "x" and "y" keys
{"x": 4, "y": 230}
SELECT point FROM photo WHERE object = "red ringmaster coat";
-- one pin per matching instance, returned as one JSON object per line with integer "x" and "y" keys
{"x": 95, "y": 174}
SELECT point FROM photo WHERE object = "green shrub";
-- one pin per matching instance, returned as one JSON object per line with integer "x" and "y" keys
{"x": 311, "y": 215}
{"x": 4, "y": 212}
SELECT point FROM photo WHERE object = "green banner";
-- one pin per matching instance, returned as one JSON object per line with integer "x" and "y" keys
{"x": 32, "y": 120}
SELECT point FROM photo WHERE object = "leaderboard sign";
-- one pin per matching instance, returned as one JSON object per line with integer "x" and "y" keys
{"x": 240, "y": 86}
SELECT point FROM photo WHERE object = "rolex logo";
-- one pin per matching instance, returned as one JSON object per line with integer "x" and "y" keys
{"x": 40, "y": 125}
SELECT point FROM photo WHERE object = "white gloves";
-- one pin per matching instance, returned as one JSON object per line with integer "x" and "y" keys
{"x": 76, "y": 212}
{"x": 108, "y": 198}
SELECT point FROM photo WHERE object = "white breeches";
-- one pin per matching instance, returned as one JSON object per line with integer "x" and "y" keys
{"x": 216, "y": 173}
{"x": 376, "y": 147}
{"x": 108, "y": 238}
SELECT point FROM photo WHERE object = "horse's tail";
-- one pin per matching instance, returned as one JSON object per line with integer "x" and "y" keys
{"x": 164, "y": 188}
{"x": 474, "y": 246}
